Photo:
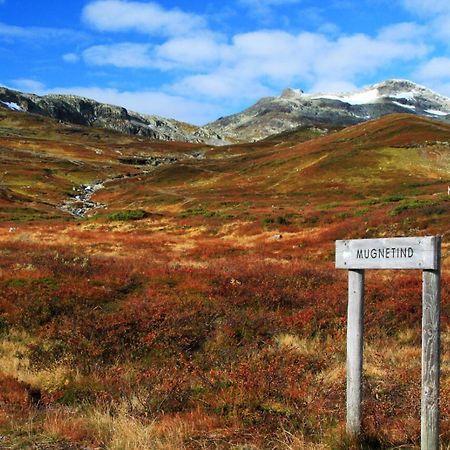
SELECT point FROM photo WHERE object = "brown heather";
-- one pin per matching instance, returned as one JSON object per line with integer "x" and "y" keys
{"x": 194, "y": 328}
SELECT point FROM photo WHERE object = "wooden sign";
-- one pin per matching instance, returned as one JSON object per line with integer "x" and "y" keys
{"x": 394, "y": 253}
{"x": 391, "y": 253}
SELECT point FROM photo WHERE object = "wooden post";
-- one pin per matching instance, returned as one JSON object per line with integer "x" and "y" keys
{"x": 394, "y": 253}
{"x": 431, "y": 355}
{"x": 355, "y": 330}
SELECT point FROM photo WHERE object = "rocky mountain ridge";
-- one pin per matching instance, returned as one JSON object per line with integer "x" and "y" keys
{"x": 83, "y": 111}
{"x": 294, "y": 108}
{"x": 269, "y": 116}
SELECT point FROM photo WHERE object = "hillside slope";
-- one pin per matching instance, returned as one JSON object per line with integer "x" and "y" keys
{"x": 45, "y": 162}
{"x": 374, "y": 152}
{"x": 376, "y": 169}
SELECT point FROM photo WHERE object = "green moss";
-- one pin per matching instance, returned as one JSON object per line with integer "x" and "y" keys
{"x": 369, "y": 202}
{"x": 49, "y": 282}
{"x": 17, "y": 282}
{"x": 342, "y": 215}
{"x": 331, "y": 205}
{"x": 199, "y": 211}
{"x": 392, "y": 198}
{"x": 408, "y": 204}
{"x": 129, "y": 214}
{"x": 361, "y": 212}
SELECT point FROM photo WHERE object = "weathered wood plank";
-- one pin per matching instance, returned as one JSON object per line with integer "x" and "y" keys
{"x": 430, "y": 358}
{"x": 389, "y": 253}
{"x": 355, "y": 331}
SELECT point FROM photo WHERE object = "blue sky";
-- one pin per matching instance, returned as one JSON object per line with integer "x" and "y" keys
{"x": 196, "y": 61}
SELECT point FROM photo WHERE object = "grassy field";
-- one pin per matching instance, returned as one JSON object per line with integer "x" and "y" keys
{"x": 201, "y": 309}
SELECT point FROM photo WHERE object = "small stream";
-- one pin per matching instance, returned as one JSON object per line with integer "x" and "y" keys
{"x": 81, "y": 202}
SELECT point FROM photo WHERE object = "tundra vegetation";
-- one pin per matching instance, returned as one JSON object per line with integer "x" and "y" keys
{"x": 201, "y": 308}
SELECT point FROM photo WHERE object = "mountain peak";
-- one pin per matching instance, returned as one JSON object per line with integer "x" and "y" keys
{"x": 295, "y": 108}
{"x": 291, "y": 93}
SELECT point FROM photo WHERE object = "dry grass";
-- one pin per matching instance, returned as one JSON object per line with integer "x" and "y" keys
{"x": 193, "y": 328}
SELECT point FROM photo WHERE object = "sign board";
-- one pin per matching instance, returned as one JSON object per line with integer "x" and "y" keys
{"x": 394, "y": 253}
{"x": 390, "y": 253}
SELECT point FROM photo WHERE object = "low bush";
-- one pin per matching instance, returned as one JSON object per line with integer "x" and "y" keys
{"x": 393, "y": 198}
{"x": 129, "y": 214}
{"x": 406, "y": 204}
{"x": 281, "y": 220}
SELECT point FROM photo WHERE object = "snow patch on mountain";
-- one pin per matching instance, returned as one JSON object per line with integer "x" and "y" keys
{"x": 13, "y": 106}
{"x": 435, "y": 112}
{"x": 293, "y": 108}
{"x": 403, "y": 95}
{"x": 356, "y": 98}
{"x": 412, "y": 107}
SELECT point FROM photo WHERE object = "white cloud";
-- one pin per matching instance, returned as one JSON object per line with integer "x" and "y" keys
{"x": 71, "y": 57}
{"x": 436, "y": 14}
{"x": 149, "y": 102}
{"x": 33, "y": 33}
{"x": 191, "y": 52}
{"x": 441, "y": 26}
{"x": 14, "y": 31}
{"x": 264, "y": 8}
{"x": 328, "y": 28}
{"x": 149, "y": 18}
{"x": 180, "y": 53}
{"x": 326, "y": 85}
{"x": 222, "y": 84}
{"x": 352, "y": 56}
{"x": 125, "y": 55}
{"x": 263, "y": 3}
{"x": 435, "y": 68}
{"x": 427, "y": 7}
{"x": 435, "y": 74}
{"x": 29, "y": 85}
{"x": 441, "y": 87}
{"x": 255, "y": 64}
{"x": 404, "y": 32}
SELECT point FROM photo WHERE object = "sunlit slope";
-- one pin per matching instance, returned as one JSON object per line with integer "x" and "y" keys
{"x": 42, "y": 161}
{"x": 376, "y": 157}
{"x": 385, "y": 177}
{"x": 395, "y": 154}
{"x": 402, "y": 156}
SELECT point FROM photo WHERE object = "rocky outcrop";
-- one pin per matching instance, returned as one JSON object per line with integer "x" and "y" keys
{"x": 294, "y": 108}
{"x": 83, "y": 111}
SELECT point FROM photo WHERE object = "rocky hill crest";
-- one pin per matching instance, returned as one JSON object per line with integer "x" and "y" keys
{"x": 83, "y": 111}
